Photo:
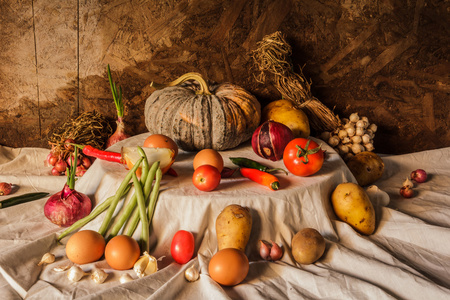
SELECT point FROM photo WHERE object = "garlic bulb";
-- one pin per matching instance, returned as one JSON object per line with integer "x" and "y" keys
{"x": 75, "y": 273}
{"x": 359, "y": 131}
{"x": 354, "y": 117}
{"x": 365, "y": 139}
{"x": 369, "y": 147}
{"x": 191, "y": 274}
{"x": 357, "y": 148}
{"x": 356, "y": 139}
{"x": 373, "y": 128}
{"x": 47, "y": 258}
{"x": 351, "y": 131}
{"x": 333, "y": 141}
{"x": 342, "y": 134}
{"x": 343, "y": 149}
{"x": 99, "y": 276}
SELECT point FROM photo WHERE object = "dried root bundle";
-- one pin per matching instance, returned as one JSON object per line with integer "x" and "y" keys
{"x": 89, "y": 128}
{"x": 273, "y": 56}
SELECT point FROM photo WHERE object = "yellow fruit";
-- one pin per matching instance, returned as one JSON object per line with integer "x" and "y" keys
{"x": 284, "y": 112}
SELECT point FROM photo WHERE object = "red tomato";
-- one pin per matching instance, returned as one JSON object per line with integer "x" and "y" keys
{"x": 206, "y": 178}
{"x": 182, "y": 247}
{"x": 303, "y": 157}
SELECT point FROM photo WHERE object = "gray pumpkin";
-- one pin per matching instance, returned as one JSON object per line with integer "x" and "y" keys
{"x": 199, "y": 117}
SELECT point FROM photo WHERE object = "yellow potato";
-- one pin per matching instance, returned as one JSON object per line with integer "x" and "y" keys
{"x": 307, "y": 246}
{"x": 352, "y": 205}
{"x": 233, "y": 227}
{"x": 284, "y": 112}
{"x": 367, "y": 167}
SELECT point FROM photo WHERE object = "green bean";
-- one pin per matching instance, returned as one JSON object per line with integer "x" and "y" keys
{"x": 154, "y": 196}
{"x": 142, "y": 213}
{"x": 115, "y": 200}
{"x": 134, "y": 220}
{"x": 98, "y": 210}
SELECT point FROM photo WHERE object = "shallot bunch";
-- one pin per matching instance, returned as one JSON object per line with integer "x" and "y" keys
{"x": 57, "y": 160}
{"x": 353, "y": 136}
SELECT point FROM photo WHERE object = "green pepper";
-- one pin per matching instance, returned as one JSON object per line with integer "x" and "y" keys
{"x": 248, "y": 163}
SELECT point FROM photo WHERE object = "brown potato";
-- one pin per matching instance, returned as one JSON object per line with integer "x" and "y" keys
{"x": 233, "y": 227}
{"x": 308, "y": 245}
{"x": 367, "y": 167}
{"x": 351, "y": 203}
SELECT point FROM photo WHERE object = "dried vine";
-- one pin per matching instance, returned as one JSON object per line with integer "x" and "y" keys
{"x": 89, "y": 128}
{"x": 273, "y": 57}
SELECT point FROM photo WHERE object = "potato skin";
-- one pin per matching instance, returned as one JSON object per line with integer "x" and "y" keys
{"x": 233, "y": 227}
{"x": 352, "y": 205}
{"x": 308, "y": 245}
{"x": 367, "y": 167}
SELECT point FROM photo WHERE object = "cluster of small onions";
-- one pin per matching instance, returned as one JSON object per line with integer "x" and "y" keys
{"x": 355, "y": 135}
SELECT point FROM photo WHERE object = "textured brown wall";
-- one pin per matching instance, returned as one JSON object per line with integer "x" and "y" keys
{"x": 386, "y": 59}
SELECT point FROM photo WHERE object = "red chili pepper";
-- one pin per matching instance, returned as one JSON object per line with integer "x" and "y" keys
{"x": 103, "y": 155}
{"x": 261, "y": 177}
{"x": 172, "y": 172}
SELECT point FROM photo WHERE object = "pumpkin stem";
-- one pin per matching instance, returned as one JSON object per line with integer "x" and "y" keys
{"x": 204, "y": 90}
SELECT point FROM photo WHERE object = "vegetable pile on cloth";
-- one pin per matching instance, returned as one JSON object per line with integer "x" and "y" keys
{"x": 407, "y": 257}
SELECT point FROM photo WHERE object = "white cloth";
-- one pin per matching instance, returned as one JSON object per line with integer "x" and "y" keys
{"x": 407, "y": 257}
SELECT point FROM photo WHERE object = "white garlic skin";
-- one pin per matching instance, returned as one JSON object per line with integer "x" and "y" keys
{"x": 99, "y": 276}
{"x": 47, "y": 258}
{"x": 125, "y": 278}
{"x": 192, "y": 274}
{"x": 75, "y": 273}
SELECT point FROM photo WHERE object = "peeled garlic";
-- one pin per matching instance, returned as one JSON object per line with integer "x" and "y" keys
{"x": 145, "y": 265}
{"x": 47, "y": 258}
{"x": 125, "y": 278}
{"x": 75, "y": 273}
{"x": 191, "y": 274}
{"x": 99, "y": 276}
{"x": 354, "y": 117}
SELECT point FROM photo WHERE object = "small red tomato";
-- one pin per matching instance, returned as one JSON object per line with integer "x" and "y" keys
{"x": 206, "y": 178}
{"x": 182, "y": 247}
{"x": 303, "y": 157}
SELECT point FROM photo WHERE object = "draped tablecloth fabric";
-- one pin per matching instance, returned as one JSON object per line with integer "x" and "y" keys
{"x": 408, "y": 256}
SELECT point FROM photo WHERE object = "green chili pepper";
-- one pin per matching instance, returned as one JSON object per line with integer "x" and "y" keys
{"x": 248, "y": 163}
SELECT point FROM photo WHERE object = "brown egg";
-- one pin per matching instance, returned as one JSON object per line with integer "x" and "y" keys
{"x": 228, "y": 266}
{"x": 161, "y": 141}
{"x": 208, "y": 157}
{"x": 85, "y": 246}
{"x": 122, "y": 252}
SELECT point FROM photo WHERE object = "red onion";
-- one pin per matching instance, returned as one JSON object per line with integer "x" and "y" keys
{"x": 68, "y": 206}
{"x": 56, "y": 172}
{"x": 419, "y": 175}
{"x": 406, "y": 192}
{"x": 118, "y": 135}
{"x": 270, "y": 139}
{"x": 52, "y": 159}
{"x": 61, "y": 165}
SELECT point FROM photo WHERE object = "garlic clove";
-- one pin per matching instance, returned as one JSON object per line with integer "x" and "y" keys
{"x": 354, "y": 117}
{"x": 145, "y": 265}
{"x": 351, "y": 131}
{"x": 357, "y": 148}
{"x": 124, "y": 278}
{"x": 47, "y": 258}
{"x": 342, "y": 134}
{"x": 377, "y": 196}
{"x": 191, "y": 274}
{"x": 369, "y": 147}
{"x": 359, "y": 131}
{"x": 75, "y": 273}
{"x": 373, "y": 128}
{"x": 356, "y": 139}
{"x": 365, "y": 139}
{"x": 333, "y": 141}
{"x": 99, "y": 276}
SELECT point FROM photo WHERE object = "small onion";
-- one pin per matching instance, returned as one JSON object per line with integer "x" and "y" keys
{"x": 5, "y": 188}
{"x": 270, "y": 139}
